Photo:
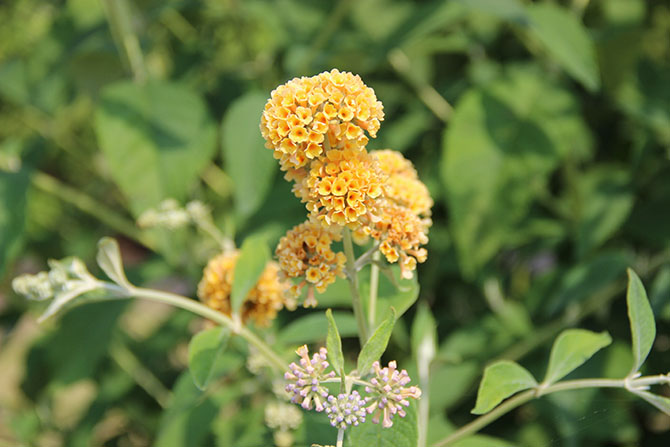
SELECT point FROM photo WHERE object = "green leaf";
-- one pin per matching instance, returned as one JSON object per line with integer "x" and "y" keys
{"x": 376, "y": 344}
{"x": 204, "y": 350}
{"x": 571, "y": 349}
{"x": 109, "y": 260}
{"x": 501, "y": 380}
{"x": 13, "y": 189}
{"x": 503, "y": 142}
{"x": 334, "y": 344}
{"x": 607, "y": 192}
{"x": 254, "y": 255}
{"x": 567, "y": 41}
{"x": 510, "y": 10}
{"x": 403, "y": 433}
{"x": 309, "y": 328}
{"x": 482, "y": 441}
{"x": 642, "y": 324}
{"x": 156, "y": 139}
{"x": 660, "y": 402}
{"x": 247, "y": 161}
{"x": 392, "y": 292}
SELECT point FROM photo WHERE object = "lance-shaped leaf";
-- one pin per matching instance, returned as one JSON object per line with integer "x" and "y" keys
{"x": 203, "y": 351}
{"x": 109, "y": 260}
{"x": 571, "y": 349}
{"x": 334, "y": 344}
{"x": 642, "y": 325}
{"x": 376, "y": 344}
{"x": 501, "y": 380}
{"x": 660, "y": 402}
{"x": 403, "y": 433}
{"x": 254, "y": 254}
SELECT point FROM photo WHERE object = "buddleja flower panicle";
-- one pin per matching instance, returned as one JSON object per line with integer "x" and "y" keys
{"x": 389, "y": 394}
{"x": 309, "y": 115}
{"x": 305, "y": 253}
{"x": 345, "y": 410}
{"x": 262, "y": 303}
{"x": 305, "y": 380}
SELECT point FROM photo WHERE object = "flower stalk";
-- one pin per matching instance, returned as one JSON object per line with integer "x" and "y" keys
{"x": 352, "y": 278}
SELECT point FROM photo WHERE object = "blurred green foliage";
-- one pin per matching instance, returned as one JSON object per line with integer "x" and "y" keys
{"x": 542, "y": 129}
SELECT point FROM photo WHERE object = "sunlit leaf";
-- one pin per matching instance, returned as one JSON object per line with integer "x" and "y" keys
{"x": 642, "y": 324}
{"x": 571, "y": 349}
{"x": 109, "y": 260}
{"x": 334, "y": 344}
{"x": 501, "y": 380}
{"x": 376, "y": 344}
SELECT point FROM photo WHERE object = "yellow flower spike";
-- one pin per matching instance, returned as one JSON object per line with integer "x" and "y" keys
{"x": 264, "y": 300}
{"x": 305, "y": 253}
{"x": 336, "y": 105}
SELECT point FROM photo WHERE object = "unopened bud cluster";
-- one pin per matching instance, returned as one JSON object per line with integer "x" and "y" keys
{"x": 172, "y": 216}
{"x": 387, "y": 393}
{"x": 64, "y": 275}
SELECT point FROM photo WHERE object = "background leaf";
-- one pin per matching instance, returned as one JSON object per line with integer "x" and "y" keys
{"x": 566, "y": 39}
{"x": 571, "y": 349}
{"x": 244, "y": 153}
{"x": 376, "y": 344}
{"x": 109, "y": 260}
{"x": 13, "y": 190}
{"x": 310, "y": 328}
{"x": 204, "y": 350}
{"x": 642, "y": 324}
{"x": 254, "y": 255}
{"x": 156, "y": 139}
{"x": 660, "y": 402}
{"x": 501, "y": 380}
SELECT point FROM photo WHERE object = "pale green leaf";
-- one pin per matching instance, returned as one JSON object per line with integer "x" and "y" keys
{"x": 204, "y": 350}
{"x": 254, "y": 255}
{"x": 249, "y": 164}
{"x": 567, "y": 41}
{"x": 403, "y": 433}
{"x": 501, "y": 380}
{"x": 334, "y": 344}
{"x": 376, "y": 344}
{"x": 109, "y": 260}
{"x": 156, "y": 139}
{"x": 642, "y": 324}
{"x": 571, "y": 349}
{"x": 660, "y": 402}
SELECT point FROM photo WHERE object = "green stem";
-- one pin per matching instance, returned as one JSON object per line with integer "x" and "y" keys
{"x": 374, "y": 287}
{"x": 352, "y": 278}
{"x": 200, "y": 309}
{"x": 541, "y": 390}
{"x": 340, "y": 438}
{"x": 90, "y": 206}
{"x": 142, "y": 376}
{"x": 120, "y": 23}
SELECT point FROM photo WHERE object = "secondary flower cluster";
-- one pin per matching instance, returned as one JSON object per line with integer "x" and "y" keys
{"x": 387, "y": 392}
{"x": 318, "y": 128}
{"x": 264, "y": 300}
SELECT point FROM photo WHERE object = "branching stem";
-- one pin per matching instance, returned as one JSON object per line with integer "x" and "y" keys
{"x": 352, "y": 278}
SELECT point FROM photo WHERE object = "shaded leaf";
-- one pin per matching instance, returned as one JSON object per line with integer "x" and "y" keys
{"x": 334, "y": 344}
{"x": 642, "y": 324}
{"x": 310, "y": 328}
{"x": 247, "y": 161}
{"x": 566, "y": 40}
{"x": 13, "y": 189}
{"x": 156, "y": 139}
{"x": 403, "y": 433}
{"x": 203, "y": 352}
{"x": 482, "y": 441}
{"x": 376, "y": 344}
{"x": 254, "y": 255}
{"x": 501, "y": 380}
{"x": 571, "y": 349}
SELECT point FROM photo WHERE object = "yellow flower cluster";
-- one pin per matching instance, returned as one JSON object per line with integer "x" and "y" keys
{"x": 309, "y": 115}
{"x": 401, "y": 234}
{"x": 305, "y": 251}
{"x": 263, "y": 301}
{"x": 403, "y": 185}
{"x": 341, "y": 187}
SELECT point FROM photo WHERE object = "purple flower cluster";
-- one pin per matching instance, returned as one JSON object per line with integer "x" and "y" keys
{"x": 305, "y": 379}
{"x": 345, "y": 410}
{"x": 389, "y": 394}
